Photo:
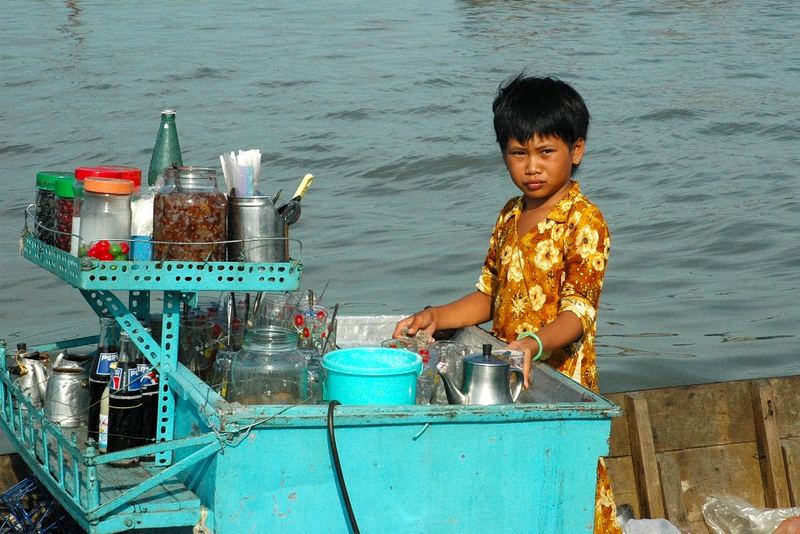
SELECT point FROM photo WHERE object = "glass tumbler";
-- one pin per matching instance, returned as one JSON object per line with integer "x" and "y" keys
{"x": 311, "y": 324}
{"x": 447, "y": 357}
{"x": 196, "y": 346}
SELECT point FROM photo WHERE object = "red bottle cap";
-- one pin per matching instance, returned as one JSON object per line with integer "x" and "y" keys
{"x": 120, "y": 172}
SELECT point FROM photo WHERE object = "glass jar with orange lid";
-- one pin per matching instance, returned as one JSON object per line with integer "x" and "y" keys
{"x": 120, "y": 172}
{"x": 106, "y": 217}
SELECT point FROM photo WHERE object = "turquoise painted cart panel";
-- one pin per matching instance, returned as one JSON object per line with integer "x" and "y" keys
{"x": 527, "y": 467}
{"x": 518, "y": 468}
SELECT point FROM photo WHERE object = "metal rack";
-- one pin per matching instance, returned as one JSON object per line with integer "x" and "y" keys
{"x": 103, "y": 498}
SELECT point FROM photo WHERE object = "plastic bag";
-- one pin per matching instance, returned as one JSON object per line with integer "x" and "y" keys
{"x": 649, "y": 526}
{"x": 726, "y": 514}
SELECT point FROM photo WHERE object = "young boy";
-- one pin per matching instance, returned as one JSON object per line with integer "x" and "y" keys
{"x": 541, "y": 280}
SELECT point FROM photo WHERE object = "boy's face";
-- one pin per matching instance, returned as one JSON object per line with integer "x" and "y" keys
{"x": 541, "y": 167}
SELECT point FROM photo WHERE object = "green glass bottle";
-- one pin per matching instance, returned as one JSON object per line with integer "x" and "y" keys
{"x": 167, "y": 151}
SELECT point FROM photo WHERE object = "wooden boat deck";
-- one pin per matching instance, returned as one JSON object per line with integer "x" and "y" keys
{"x": 673, "y": 447}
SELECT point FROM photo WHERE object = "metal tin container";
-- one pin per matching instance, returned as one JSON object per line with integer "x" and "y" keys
{"x": 66, "y": 400}
{"x": 32, "y": 373}
{"x": 256, "y": 231}
{"x": 64, "y": 359}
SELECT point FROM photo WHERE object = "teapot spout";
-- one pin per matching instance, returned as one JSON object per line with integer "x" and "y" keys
{"x": 454, "y": 396}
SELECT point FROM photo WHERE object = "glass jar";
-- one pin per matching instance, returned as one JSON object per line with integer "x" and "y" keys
{"x": 81, "y": 173}
{"x": 189, "y": 216}
{"x": 46, "y": 205}
{"x": 119, "y": 172}
{"x": 269, "y": 369}
{"x": 64, "y": 207}
{"x": 105, "y": 214}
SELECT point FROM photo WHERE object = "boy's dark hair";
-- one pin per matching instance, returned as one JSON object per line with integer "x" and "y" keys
{"x": 526, "y": 106}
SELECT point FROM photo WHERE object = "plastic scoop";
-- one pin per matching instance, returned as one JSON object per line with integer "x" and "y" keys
{"x": 290, "y": 211}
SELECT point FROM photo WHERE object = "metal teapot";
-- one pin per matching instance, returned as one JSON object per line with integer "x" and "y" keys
{"x": 31, "y": 373}
{"x": 486, "y": 381}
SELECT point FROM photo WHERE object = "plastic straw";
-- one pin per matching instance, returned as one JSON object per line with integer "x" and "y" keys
{"x": 242, "y": 171}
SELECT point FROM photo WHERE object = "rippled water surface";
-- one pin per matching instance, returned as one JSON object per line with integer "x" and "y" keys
{"x": 692, "y": 154}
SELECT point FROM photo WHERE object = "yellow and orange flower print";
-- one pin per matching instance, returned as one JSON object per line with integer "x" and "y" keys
{"x": 558, "y": 266}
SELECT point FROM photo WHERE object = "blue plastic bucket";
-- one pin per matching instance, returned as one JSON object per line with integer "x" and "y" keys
{"x": 371, "y": 375}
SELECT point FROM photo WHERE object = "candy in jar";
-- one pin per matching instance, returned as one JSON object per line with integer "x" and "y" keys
{"x": 189, "y": 216}
{"x": 46, "y": 204}
{"x": 106, "y": 216}
{"x": 64, "y": 211}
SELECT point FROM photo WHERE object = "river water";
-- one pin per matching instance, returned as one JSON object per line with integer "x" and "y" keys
{"x": 692, "y": 151}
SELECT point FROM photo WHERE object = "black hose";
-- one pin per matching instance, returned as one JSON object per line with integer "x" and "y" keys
{"x": 338, "y": 468}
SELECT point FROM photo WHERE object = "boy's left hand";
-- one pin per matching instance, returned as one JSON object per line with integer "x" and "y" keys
{"x": 527, "y": 347}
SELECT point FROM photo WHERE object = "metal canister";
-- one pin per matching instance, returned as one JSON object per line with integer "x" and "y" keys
{"x": 32, "y": 373}
{"x": 65, "y": 359}
{"x": 66, "y": 401}
{"x": 257, "y": 233}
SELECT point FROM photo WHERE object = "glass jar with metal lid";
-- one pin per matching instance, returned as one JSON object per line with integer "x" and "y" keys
{"x": 269, "y": 369}
{"x": 106, "y": 213}
{"x": 189, "y": 216}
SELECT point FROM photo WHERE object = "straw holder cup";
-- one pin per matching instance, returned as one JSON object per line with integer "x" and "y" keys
{"x": 256, "y": 232}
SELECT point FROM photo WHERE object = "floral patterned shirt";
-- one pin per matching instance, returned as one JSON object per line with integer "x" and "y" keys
{"x": 558, "y": 266}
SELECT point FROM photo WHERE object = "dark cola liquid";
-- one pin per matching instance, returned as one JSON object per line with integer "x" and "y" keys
{"x": 149, "y": 407}
{"x": 98, "y": 380}
{"x": 124, "y": 413}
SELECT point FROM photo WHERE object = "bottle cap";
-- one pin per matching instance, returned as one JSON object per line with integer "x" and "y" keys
{"x": 114, "y": 186}
{"x": 47, "y": 179}
{"x": 120, "y": 172}
{"x": 63, "y": 186}
{"x": 81, "y": 173}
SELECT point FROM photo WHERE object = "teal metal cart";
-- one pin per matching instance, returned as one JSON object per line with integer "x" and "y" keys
{"x": 527, "y": 467}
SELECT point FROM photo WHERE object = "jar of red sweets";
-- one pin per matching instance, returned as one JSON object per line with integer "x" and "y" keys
{"x": 64, "y": 203}
{"x": 105, "y": 216}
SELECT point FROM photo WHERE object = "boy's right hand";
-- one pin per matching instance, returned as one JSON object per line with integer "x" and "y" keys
{"x": 423, "y": 320}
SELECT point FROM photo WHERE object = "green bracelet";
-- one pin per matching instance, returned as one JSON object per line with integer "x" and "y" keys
{"x": 523, "y": 335}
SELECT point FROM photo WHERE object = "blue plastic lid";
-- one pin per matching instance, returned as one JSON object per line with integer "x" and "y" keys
{"x": 373, "y": 361}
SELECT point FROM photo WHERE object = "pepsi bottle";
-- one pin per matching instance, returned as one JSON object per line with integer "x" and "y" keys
{"x": 149, "y": 379}
{"x": 124, "y": 404}
{"x": 100, "y": 370}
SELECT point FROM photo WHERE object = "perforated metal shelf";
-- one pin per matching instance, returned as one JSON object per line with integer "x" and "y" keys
{"x": 88, "y": 273}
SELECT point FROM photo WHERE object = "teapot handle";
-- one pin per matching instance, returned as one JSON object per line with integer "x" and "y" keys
{"x": 520, "y": 380}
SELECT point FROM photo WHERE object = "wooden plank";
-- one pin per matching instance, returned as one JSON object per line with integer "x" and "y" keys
{"x": 727, "y": 469}
{"x": 786, "y": 391}
{"x": 644, "y": 456}
{"x": 690, "y": 416}
{"x": 773, "y": 471}
{"x": 672, "y": 491}
{"x": 619, "y": 443}
{"x": 623, "y": 482}
{"x": 700, "y": 416}
{"x": 791, "y": 457}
